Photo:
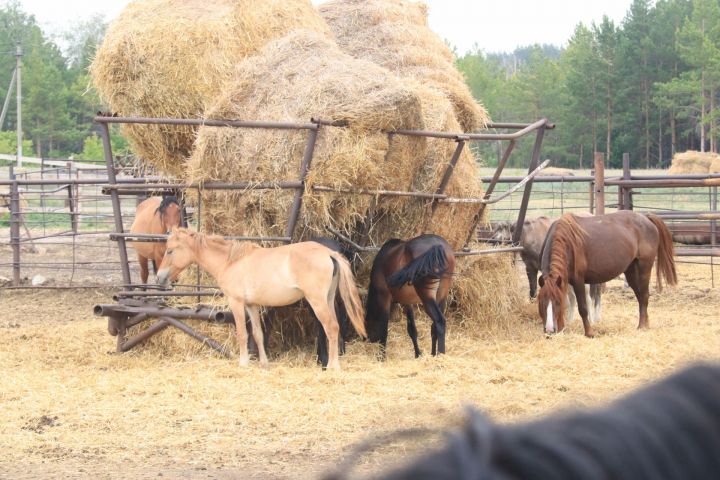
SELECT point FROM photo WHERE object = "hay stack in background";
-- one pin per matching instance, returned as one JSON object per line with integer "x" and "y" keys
{"x": 694, "y": 162}
{"x": 170, "y": 58}
{"x": 395, "y": 35}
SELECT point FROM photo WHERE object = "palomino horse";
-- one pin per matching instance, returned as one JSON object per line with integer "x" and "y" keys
{"x": 410, "y": 272}
{"x": 596, "y": 250}
{"x": 251, "y": 277}
{"x": 155, "y": 215}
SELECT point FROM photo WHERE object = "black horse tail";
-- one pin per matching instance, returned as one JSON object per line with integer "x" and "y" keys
{"x": 431, "y": 264}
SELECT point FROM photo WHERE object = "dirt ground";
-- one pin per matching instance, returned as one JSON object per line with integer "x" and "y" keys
{"x": 70, "y": 407}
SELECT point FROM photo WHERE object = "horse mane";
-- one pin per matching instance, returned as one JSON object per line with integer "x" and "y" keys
{"x": 234, "y": 248}
{"x": 165, "y": 203}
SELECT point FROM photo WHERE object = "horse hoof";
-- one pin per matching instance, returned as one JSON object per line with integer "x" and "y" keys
{"x": 590, "y": 334}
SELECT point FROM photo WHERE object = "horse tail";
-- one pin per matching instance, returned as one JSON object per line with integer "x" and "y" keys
{"x": 665, "y": 255}
{"x": 349, "y": 293}
{"x": 432, "y": 263}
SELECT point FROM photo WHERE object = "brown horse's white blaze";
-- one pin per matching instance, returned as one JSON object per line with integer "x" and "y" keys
{"x": 251, "y": 277}
{"x": 594, "y": 250}
{"x": 155, "y": 215}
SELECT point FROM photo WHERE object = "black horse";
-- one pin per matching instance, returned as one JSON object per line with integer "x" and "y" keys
{"x": 410, "y": 272}
{"x": 340, "y": 313}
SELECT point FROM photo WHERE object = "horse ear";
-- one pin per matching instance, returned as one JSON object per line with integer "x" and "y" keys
{"x": 541, "y": 281}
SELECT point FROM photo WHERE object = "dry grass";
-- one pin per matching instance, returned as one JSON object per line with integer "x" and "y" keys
{"x": 71, "y": 408}
{"x": 170, "y": 58}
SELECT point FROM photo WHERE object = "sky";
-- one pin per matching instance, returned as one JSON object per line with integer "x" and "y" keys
{"x": 495, "y": 26}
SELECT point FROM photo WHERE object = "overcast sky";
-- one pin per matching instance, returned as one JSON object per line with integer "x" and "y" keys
{"x": 492, "y": 25}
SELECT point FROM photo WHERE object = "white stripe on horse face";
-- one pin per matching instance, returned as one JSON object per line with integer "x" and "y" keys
{"x": 549, "y": 319}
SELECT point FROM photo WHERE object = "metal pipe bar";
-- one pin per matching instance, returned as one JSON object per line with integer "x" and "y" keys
{"x": 115, "y": 200}
{"x": 539, "y": 135}
{"x": 491, "y": 188}
{"x": 448, "y": 172}
{"x": 543, "y": 122}
{"x": 504, "y": 195}
{"x": 465, "y": 253}
{"x": 197, "y": 336}
{"x": 15, "y": 228}
{"x": 304, "y": 169}
{"x": 688, "y": 215}
{"x": 125, "y": 345}
{"x": 151, "y": 237}
{"x": 144, "y": 188}
{"x": 545, "y": 179}
{"x": 199, "y": 122}
{"x": 697, "y": 252}
{"x": 511, "y": 125}
{"x": 200, "y": 293}
{"x": 388, "y": 193}
{"x": 664, "y": 183}
{"x": 209, "y": 314}
{"x": 79, "y": 181}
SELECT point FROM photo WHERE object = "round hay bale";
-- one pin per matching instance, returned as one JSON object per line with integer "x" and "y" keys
{"x": 300, "y": 76}
{"x": 692, "y": 162}
{"x": 395, "y": 35}
{"x": 170, "y": 58}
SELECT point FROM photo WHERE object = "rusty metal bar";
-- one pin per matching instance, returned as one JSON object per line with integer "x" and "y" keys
{"x": 448, "y": 172}
{"x": 388, "y": 193}
{"x": 465, "y": 253}
{"x": 599, "y": 183}
{"x": 197, "y": 336}
{"x": 539, "y": 125}
{"x": 151, "y": 237}
{"x": 200, "y": 293}
{"x": 125, "y": 345}
{"x": 697, "y": 252}
{"x": 304, "y": 169}
{"x": 526, "y": 193}
{"x": 505, "y": 194}
{"x": 134, "y": 189}
{"x": 104, "y": 120}
{"x": 664, "y": 183}
{"x": 115, "y": 200}
{"x": 688, "y": 215}
{"x": 150, "y": 310}
{"x": 489, "y": 191}
{"x": 15, "y": 226}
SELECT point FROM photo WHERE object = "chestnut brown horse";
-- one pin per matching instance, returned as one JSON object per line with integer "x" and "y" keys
{"x": 155, "y": 215}
{"x": 410, "y": 272}
{"x": 251, "y": 277}
{"x": 596, "y": 250}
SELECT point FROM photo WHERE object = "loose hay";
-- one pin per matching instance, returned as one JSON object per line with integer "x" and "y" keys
{"x": 170, "y": 58}
{"x": 395, "y": 35}
{"x": 694, "y": 162}
{"x": 148, "y": 412}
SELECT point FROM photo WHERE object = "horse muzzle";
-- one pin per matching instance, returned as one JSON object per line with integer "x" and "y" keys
{"x": 163, "y": 278}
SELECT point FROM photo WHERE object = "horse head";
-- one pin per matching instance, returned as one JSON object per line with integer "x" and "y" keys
{"x": 180, "y": 251}
{"x": 552, "y": 302}
{"x": 503, "y": 231}
{"x": 170, "y": 213}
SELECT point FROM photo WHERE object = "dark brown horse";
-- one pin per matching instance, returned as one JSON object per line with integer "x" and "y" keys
{"x": 410, "y": 272}
{"x": 596, "y": 250}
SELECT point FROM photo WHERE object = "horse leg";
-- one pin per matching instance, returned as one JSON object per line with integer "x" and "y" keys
{"x": 638, "y": 277}
{"x": 238, "y": 309}
{"x": 257, "y": 333}
{"x": 325, "y": 314}
{"x": 595, "y": 293}
{"x": 571, "y": 304}
{"x": 411, "y": 328}
{"x": 144, "y": 273}
{"x": 154, "y": 264}
{"x": 532, "y": 279}
{"x": 438, "y": 327}
{"x": 322, "y": 346}
{"x": 583, "y": 307}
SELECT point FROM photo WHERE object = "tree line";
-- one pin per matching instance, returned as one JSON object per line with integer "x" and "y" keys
{"x": 648, "y": 86}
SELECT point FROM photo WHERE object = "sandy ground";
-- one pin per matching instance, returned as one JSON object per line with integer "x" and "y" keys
{"x": 72, "y": 408}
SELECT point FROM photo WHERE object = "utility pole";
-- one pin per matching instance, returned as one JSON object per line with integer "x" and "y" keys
{"x": 18, "y": 65}
{"x": 6, "y": 104}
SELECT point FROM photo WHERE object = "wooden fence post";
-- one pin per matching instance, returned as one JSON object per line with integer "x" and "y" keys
{"x": 599, "y": 183}
{"x": 626, "y": 191}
